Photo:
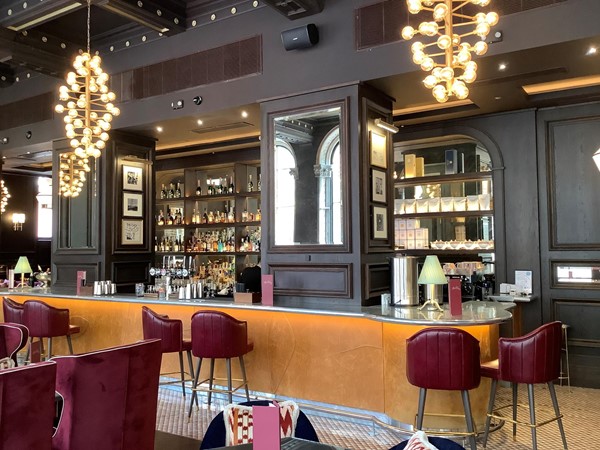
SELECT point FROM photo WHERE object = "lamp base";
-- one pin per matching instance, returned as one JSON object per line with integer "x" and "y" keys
{"x": 432, "y": 305}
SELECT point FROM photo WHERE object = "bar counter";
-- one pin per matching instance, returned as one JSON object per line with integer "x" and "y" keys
{"x": 334, "y": 354}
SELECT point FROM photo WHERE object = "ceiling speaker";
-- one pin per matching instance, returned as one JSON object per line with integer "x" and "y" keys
{"x": 301, "y": 37}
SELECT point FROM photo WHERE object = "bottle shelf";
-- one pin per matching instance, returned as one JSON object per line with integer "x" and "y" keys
{"x": 434, "y": 215}
{"x": 457, "y": 177}
{"x": 208, "y": 253}
{"x": 220, "y": 225}
{"x": 433, "y": 251}
{"x": 165, "y": 201}
{"x": 205, "y": 198}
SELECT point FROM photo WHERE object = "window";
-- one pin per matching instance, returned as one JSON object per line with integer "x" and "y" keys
{"x": 328, "y": 169}
{"x": 285, "y": 192}
{"x": 44, "y": 199}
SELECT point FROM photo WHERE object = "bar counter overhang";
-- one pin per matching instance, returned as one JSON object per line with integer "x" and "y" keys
{"x": 353, "y": 357}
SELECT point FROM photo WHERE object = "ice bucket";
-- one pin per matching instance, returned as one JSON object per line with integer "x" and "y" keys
{"x": 405, "y": 290}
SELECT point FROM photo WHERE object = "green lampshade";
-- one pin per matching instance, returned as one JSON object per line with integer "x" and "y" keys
{"x": 432, "y": 272}
{"x": 23, "y": 265}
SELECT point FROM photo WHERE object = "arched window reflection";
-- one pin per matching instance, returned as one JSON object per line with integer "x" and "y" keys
{"x": 285, "y": 192}
{"x": 328, "y": 169}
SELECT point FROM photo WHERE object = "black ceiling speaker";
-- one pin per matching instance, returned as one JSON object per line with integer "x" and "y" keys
{"x": 301, "y": 37}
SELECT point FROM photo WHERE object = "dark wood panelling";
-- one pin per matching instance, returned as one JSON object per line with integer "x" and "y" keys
{"x": 312, "y": 280}
{"x": 224, "y": 63}
{"x": 27, "y": 111}
{"x": 583, "y": 317}
{"x": 65, "y": 274}
{"x": 573, "y": 183}
{"x": 130, "y": 272}
{"x": 377, "y": 279}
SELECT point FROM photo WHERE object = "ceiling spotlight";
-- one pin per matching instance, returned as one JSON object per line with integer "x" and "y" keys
{"x": 200, "y": 122}
{"x": 502, "y": 66}
{"x": 177, "y": 104}
{"x": 159, "y": 129}
{"x": 592, "y": 51}
{"x": 244, "y": 114}
{"x": 197, "y": 100}
{"x": 4, "y": 140}
{"x": 28, "y": 134}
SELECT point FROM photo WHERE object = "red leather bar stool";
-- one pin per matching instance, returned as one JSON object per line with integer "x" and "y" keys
{"x": 445, "y": 359}
{"x": 13, "y": 311}
{"x": 218, "y": 335}
{"x": 13, "y": 337}
{"x": 45, "y": 321}
{"x": 170, "y": 333}
{"x": 530, "y": 359}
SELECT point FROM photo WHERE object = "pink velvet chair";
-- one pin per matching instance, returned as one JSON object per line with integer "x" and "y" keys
{"x": 110, "y": 398}
{"x": 447, "y": 359}
{"x": 170, "y": 333}
{"x": 13, "y": 337}
{"x": 13, "y": 311}
{"x": 45, "y": 321}
{"x": 27, "y": 407}
{"x": 219, "y": 335}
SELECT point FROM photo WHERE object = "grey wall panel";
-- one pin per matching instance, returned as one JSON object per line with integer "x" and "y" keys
{"x": 573, "y": 182}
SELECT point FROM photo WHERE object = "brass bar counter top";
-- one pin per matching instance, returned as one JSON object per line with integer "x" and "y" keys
{"x": 474, "y": 312}
{"x": 334, "y": 354}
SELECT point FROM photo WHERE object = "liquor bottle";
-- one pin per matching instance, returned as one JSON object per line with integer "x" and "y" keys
{"x": 163, "y": 192}
{"x": 245, "y": 216}
{"x": 211, "y": 217}
{"x": 199, "y": 188}
{"x": 171, "y": 193}
{"x": 209, "y": 189}
{"x": 231, "y": 186}
{"x": 205, "y": 217}
{"x": 178, "y": 190}
{"x": 169, "y": 218}
{"x": 250, "y": 184}
{"x": 231, "y": 215}
{"x": 197, "y": 214}
{"x": 258, "y": 215}
{"x": 161, "y": 218}
{"x": 258, "y": 186}
{"x": 194, "y": 216}
{"x": 155, "y": 243}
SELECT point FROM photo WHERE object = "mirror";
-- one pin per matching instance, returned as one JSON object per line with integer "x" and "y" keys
{"x": 308, "y": 169}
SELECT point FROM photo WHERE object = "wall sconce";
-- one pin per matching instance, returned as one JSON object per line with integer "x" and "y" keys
{"x": 18, "y": 221}
{"x": 596, "y": 158}
{"x": 386, "y": 126}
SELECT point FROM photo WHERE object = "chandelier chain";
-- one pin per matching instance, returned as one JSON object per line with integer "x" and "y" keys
{"x": 89, "y": 7}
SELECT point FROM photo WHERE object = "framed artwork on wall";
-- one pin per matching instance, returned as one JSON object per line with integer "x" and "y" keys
{"x": 378, "y": 186}
{"x": 132, "y": 232}
{"x": 378, "y": 149}
{"x": 380, "y": 222}
{"x": 132, "y": 177}
{"x": 133, "y": 204}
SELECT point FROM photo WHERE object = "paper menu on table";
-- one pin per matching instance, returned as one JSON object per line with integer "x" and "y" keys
{"x": 524, "y": 281}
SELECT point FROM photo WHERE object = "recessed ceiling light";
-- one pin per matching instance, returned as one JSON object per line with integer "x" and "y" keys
{"x": 592, "y": 51}
{"x": 159, "y": 129}
{"x": 244, "y": 114}
{"x": 502, "y": 66}
{"x": 255, "y": 3}
{"x": 213, "y": 16}
{"x": 199, "y": 122}
{"x": 497, "y": 98}
{"x": 233, "y": 10}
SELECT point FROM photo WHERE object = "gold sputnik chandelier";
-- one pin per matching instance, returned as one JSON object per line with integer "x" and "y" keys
{"x": 4, "y": 196}
{"x": 89, "y": 110}
{"x": 72, "y": 174}
{"x": 450, "y": 61}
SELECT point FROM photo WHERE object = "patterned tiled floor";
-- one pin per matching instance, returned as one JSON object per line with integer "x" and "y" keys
{"x": 579, "y": 406}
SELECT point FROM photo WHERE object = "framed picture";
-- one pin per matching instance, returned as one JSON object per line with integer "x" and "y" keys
{"x": 378, "y": 145}
{"x": 133, "y": 204}
{"x": 132, "y": 232}
{"x": 132, "y": 177}
{"x": 378, "y": 186}
{"x": 379, "y": 222}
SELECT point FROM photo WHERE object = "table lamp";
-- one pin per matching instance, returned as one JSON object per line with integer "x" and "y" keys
{"x": 23, "y": 267}
{"x": 432, "y": 275}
